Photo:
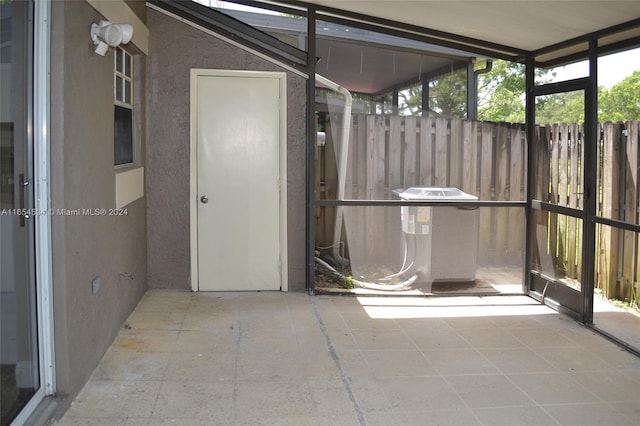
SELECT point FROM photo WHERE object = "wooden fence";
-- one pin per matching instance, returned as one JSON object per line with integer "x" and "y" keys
{"x": 487, "y": 160}
{"x": 391, "y": 152}
{"x": 618, "y": 251}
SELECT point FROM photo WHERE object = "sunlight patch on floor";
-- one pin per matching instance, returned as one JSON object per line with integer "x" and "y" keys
{"x": 451, "y": 307}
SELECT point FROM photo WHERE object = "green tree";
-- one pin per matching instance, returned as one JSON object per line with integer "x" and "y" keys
{"x": 448, "y": 94}
{"x": 502, "y": 97}
{"x": 622, "y": 101}
{"x": 410, "y": 100}
{"x": 567, "y": 107}
{"x": 501, "y": 93}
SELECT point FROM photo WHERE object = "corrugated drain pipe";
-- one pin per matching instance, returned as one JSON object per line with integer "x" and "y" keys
{"x": 342, "y": 159}
{"x": 342, "y": 175}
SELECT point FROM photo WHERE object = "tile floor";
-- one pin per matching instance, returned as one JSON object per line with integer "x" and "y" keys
{"x": 291, "y": 359}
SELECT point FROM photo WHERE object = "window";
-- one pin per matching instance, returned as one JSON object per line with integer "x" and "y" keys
{"x": 123, "y": 115}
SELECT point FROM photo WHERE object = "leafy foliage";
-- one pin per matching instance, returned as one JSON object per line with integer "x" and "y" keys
{"x": 448, "y": 94}
{"x": 565, "y": 107}
{"x": 622, "y": 101}
{"x": 501, "y": 93}
{"x": 502, "y": 97}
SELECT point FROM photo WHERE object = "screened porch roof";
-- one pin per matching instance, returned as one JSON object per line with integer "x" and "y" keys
{"x": 550, "y": 29}
{"x": 364, "y": 61}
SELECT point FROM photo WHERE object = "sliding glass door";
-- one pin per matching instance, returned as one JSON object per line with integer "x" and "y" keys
{"x": 19, "y": 349}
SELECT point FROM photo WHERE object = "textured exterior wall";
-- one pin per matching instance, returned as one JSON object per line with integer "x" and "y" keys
{"x": 175, "y": 48}
{"x": 83, "y": 176}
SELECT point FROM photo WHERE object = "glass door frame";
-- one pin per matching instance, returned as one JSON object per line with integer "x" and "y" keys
{"x": 39, "y": 129}
{"x": 576, "y": 304}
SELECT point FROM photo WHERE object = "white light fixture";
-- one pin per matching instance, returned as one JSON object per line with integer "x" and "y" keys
{"x": 106, "y": 34}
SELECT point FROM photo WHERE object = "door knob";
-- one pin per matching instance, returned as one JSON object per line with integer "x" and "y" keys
{"x": 204, "y": 199}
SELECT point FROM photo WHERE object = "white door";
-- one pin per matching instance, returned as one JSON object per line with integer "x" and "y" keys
{"x": 239, "y": 137}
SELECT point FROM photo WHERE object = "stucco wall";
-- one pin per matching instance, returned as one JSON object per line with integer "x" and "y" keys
{"x": 174, "y": 49}
{"x": 83, "y": 176}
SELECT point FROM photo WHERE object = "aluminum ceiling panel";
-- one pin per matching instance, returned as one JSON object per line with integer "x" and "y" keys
{"x": 522, "y": 24}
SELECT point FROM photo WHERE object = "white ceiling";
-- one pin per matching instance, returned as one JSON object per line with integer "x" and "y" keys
{"x": 523, "y": 24}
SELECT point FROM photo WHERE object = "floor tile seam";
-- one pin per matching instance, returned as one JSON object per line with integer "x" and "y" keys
{"x": 449, "y": 348}
{"x": 156, "y": 311}
{"x": 218, "y": 332}
{"x": 133, "y": 327}
{"x": 141, "y": 353}
{"x": 102, "y": 381}
{"x": 507, "y": 376}
{"x": 503, "y": 350}
{"x": 466, "y": 404}
{"x": 527, "y": 344}
{"x": 118, "y": 379}
{"x": 155, "y": 400}
{"x": 477, "y": 352}
{"x": 292, "y": 325}
{"x": 567, "y": 404}
{"x": 543, "y": 352}
{"x": 602, "y": 399}
{"x": 392, "y": 350}
{"x": 401, "y": 376}
{"x": 307, "y": 378}
{"x": 85, "y": 417}
{"x": 456, "y": 332}
{"x": 129, "y": 330}
{"x": 631, "y": 419}
{"x": 575, "y": 369}
{"x": 292, "y": 380}
{"x": 414, "y": 343}
{"x": 498, "y": 347}
{"x": 497, "y": 373}
{"x": 534, "y": 403}
{"x": 547, "y": 347}
{"x": 551, "y": 416}
{"x": 344, "y": 377}
{"x": 575, "y": 383}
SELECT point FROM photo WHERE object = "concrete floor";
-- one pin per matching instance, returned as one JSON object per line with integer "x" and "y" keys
{"x": 291, "y": 359}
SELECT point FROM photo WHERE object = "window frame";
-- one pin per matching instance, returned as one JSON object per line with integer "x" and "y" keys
{"x": 123, "y": 97}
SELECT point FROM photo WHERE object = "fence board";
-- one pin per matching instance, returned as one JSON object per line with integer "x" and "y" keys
{"x": 355, "y": 225}
{"x": 441, "y": 165}
{"x": 329, "y": 176}
{"x": 410, "y": 152}
{"x": 633, "y": 137}
{"x": 630, "y": 211}
{"x": 360, "y": 158}
{"x": 375, "y": 177}
{"x": 609, "y": 246}
{"x": 500, "y": 214}
{"x": 486, "y": 173}
{"x": 426, "y": 151}
{"x": 469, "y": 157}
{"x": 515, "y": 243}
{"x": 395, "y": 153}
{"x": 455, "y": 160}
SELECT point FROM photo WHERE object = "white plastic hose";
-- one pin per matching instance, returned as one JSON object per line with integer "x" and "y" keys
{"x": 404, "y": 285}
{"x": 342, "y": 158}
